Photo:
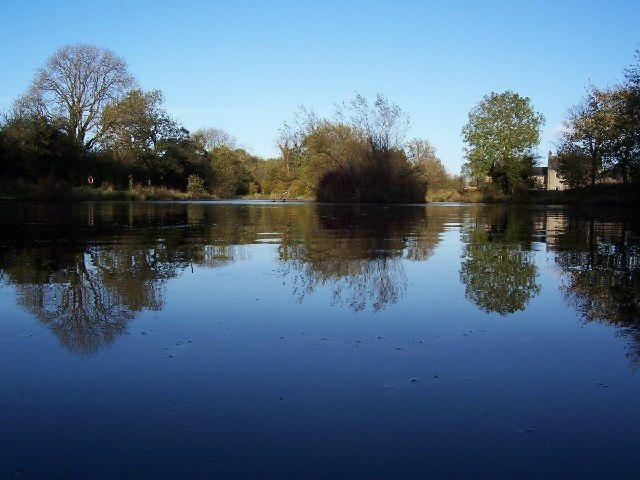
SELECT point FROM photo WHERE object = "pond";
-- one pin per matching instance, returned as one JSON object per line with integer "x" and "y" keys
{"x": 299, "y": 340}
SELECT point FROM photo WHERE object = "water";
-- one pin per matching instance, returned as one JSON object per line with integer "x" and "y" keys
{"x": 269, "y": 340}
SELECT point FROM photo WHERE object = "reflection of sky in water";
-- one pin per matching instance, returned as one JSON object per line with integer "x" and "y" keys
{"x": 237, "y": 375}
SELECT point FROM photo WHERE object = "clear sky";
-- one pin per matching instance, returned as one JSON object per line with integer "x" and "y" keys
{"x": 245, "y": 66}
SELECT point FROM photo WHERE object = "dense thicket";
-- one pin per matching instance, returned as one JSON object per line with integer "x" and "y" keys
{"x": 360, "y": 155}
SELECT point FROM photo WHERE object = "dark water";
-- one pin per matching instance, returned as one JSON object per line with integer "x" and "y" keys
{"x": 234, "y": 340}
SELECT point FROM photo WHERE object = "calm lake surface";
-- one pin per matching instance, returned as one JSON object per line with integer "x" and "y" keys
{"x": 282, "y": 340}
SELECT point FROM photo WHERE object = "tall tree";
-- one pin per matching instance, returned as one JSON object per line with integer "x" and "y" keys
{"x": 603, "y": 132}
{"x": 585, "y": 134}
{"x": 621, "y": 128}
{"x": 632, "y": 74}
{"x": 502, "y": 133}
{"x": 573, "y": 164}
{"x": 632, "y": 89}
{"x": 291, "y": 138}
{"x": 231, "y": 171}
{"x": 136, "y": 122}
{"x": 74, "y": 86}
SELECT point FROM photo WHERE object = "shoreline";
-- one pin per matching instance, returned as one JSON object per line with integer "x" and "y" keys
{"x": 597, "y": 196}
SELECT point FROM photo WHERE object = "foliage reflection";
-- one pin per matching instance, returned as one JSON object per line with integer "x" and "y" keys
{"x": 357, "y": 253}
{"x": 87, "y": 270}
{"x": 601, "y": 265}
{"x": 498, "y": 270}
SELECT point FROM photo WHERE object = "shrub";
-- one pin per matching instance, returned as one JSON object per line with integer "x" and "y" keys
{"x": 195, "y": 187}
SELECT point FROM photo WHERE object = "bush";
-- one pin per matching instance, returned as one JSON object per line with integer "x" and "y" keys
{"x": 390, "y": 181}
{"x": 195, "y": 187}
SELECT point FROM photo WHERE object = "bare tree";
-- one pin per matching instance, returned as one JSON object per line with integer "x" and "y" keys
{"x": 384, "y": 124}
{"x": 210, "y": 138}
{"x": 419, "y": 150}
{"x": 292, "y": 135}
{"x": 74, "y": 86}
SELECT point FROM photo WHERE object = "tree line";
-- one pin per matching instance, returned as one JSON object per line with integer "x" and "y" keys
{"x": 600, "y": 140}
{"x": 85, "y": 120}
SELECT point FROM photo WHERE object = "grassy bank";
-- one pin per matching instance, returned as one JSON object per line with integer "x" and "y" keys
{"x": 54, "y": 190}
{"x": 453, "y": 195}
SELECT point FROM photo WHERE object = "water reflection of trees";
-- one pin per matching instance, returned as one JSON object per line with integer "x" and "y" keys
{"x": 601, "y": 263}
{"x": 357, "y": 252}
{"x": 87, "y": 298}
{"x": 498, "y": 269}
{"x": 85, "y": 271}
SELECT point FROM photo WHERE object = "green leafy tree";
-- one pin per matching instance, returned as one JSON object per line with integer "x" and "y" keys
{"x": 177, "y": 157}
{"x": 502, "y": 133}
{"x": 626, "y": 114}
{"x": 139, "y": 134}
{"x": 573, "y": 165}
{"x": 620, "y": 124}
{"x": 585, "y": 134}
{"x": 136, "y": 122}
{"x": 231, "y": 171}
{"x": 275, "y": 180}
{"x": 603, "y": 132}
{"x": 32, "y": 148}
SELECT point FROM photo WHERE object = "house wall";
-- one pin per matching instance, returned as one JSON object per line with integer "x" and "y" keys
{"x": 552, "y": 182}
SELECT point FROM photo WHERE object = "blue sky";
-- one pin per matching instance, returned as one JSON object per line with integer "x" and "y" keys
{"x": 246, "y": 66}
